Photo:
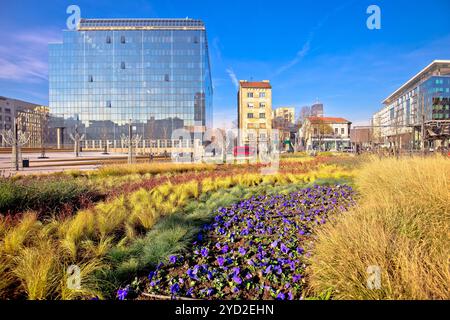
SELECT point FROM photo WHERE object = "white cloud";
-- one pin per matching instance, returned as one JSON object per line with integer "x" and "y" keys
{"x": 24, "y": 56}
{"x": 298, "y": 57}
{"x": 233, "y": 78}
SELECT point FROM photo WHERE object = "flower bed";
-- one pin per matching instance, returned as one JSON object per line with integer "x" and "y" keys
{"x": 287, "y": 166}
{"x": 254, "y": 249}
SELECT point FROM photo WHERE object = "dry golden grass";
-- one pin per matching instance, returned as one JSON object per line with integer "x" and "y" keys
{"x": 6, "y": 277}
{"x": 17, "y": 236}
{"x": 402, "y": 225}
{"x": 88, "y": 287}
{"x": 35, "y": 267}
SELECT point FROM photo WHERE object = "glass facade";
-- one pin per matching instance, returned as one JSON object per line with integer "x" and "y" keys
{"x": 154, "y": 72}
{"x": 435, "y": 97}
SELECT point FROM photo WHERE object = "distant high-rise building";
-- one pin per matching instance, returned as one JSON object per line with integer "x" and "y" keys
{"x": 317, "y": 110}
{"x": 254, "y": 111}
{"x": 155, "y": 72}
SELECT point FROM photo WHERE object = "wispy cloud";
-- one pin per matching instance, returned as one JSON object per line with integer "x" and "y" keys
{"x": 24, "y": 56}
{"x": 217, "y": 49}
{"x": 233, "y": 78}
{"x": 307, "y": 45}
{"x": 298, "y": 57}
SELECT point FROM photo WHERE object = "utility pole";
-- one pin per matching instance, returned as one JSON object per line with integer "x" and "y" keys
{"x": 423, "y": 126}
{"x": 16, "y": 144}
{"x": 44, "y": 124}
{"x": 130, "y": 145}
{"x": 131, "y": 141}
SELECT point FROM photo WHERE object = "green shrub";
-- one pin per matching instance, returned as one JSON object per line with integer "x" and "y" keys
{"x": 43, "y": 195}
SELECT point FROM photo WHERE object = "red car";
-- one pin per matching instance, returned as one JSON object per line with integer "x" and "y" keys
{"x": 244, "y": 151}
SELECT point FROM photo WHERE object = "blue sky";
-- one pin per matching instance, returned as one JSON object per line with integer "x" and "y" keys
{"x": 308, "y": 49}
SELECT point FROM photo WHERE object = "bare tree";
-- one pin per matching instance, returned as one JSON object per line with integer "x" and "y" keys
{"x": 16, "y": 139}
{"x": 77, "y": 138}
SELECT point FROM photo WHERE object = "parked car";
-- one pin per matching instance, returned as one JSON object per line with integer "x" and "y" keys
{"x": 244, "y": 151}
{"x": 347, "y": 149}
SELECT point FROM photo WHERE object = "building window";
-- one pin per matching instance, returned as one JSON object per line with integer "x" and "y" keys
{"x": 262, "y": 105}
{"x": 251, "y": 136}
{"x": 262, "y": 94}
{"x": 342, "y": 131}
{"x": 250, "y": 115}
{"x": 122, "y": 65}
{"x": 249, "y": 94}
{"x": 336, "y": 131}
{"x": 108, "y": 39}
{"x": 250, "y": 105}
{"x": 262, "y": 125}
{"x": 8, "y": 119}
{"x": 262, "y": 136}
{"x": 0, "y": 118}
{"x": 90, "y": 78}
{"x": 195, "y": 39}
{"x": 166, "y": 77}
{"x": 251, "y": 126}
{"x": 7, "y": 110}
{"x": 108, "y": 104}
{"x": 315, "y": 131}
{"x": 262, "y": 115}
{"x": 122, "y": 39}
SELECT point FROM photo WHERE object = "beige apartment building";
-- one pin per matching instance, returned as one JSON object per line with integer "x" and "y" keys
{"x": 31, "y": 118}
{"x": 254, "y": 112}
{"x": 285, "y": 113}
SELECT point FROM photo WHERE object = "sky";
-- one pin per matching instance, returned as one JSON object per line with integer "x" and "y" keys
{"x": 309, "y": 50}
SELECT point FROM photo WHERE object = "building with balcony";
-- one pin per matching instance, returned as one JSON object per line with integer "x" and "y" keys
{"x": 154, "y": 72}
{"x": 417, "y": 112}
{"x": 254, "y": 112}
{"x": 287, "y": 114}
{"x": 31, "y": 118}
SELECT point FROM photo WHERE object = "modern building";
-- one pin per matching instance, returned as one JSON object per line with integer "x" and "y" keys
{"x": 417, "y": 112}
{"x": 154, "y": 72}
{"x": 254, "y": 112}
{"x": 31, "y": 118}
{"x": 317, "y": 110}
{"x": 325, "y": 133}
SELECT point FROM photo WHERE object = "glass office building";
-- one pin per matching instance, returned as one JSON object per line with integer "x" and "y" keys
{"x": 421, "y": 104}
{"x": 154, "y": 72}
{"x": 435, "y": 99}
